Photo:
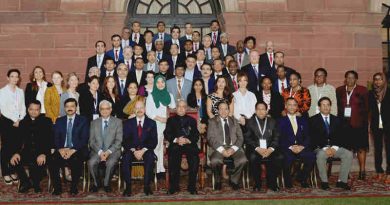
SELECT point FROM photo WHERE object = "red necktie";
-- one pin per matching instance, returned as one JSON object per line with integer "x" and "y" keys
{"x": 239, "y": 59}
{"x": 135, "y": 37}
{"x": 196, "y": 46}
{"x": 214, "y": 38}
{"x": 235, "y": 84}
{"x": 128, "y": 65}
{"x": 270, "y": 59}
{"x": 282, "y": 86}
{"x": 139, "y": 130}
{"x": 116, "y": 55}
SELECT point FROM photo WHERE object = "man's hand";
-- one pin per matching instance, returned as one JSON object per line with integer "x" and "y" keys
{"x": 15, "y": 159}
{"x": 230, "y": 151}
{"x": 139, "y": 154}
{"x": 261, "y": 151}
{"x": 103, "y": 157}
{"x": 69, "y": 153}
{"x": 267, "y": 152}
{"x": 16, "y": 124}
{"x": 63, "y": 152}
{"x": 242, "y": 120}
{"x": 41, "y": 160}
{"x": 225, "y": 153}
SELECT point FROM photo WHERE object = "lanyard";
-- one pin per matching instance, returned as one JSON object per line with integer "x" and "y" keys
{"x": 262, "y": 131}
{"x": 95, "y": 103}
{"x": 350, "y": 94}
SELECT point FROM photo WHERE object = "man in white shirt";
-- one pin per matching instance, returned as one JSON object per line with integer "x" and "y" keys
{"x": 116, "y": 52}
{"x": 109, "y": 70}
{"x": 122, "y": 80}
{"x": 200, "y": 56}
{"x": 138, "y": 75}
{"x": 218, "y": 68}
{"x": 196, "y": 44}
{"x": 126, "y": 37}
{"x": 206, "y": 41}
{"x": 136, "y": 36}
{"x": 188, "y": 31}
{"x": 215, "y": 33}
{"x": 224, "y": 47}
{"x": 161, "y": 32}
{"x": 138, "y": 51}
{"x": 281, "y": 82}
{"x": 97, "y": 60}
{"x": 175, "y": 34}
{"x": 191, "y": 73}
{"x": 148, "y": 45}
{"x": 159, "y": 44}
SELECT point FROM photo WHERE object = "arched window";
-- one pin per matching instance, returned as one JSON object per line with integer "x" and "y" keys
{"x": 173, "y": 12}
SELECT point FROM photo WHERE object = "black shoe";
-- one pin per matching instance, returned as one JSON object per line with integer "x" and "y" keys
{"x": 25, "y": 187}
{"x": 274, "y": 188}
{"x": 362, "y": 175}
{"x": 127, "y": 192}
{"x": 57, "y": 192}
{"x": 193, "y": 192}
{"x": 74, "y": 191}
{"x": 172, "y": 191}
{"x": 288, "y": 186}
{"x": 234, "y": 186}
{"x": 304, "y": 184}
{"x": 257, "y": 187}
{"x": 94, "y": 189}
{"x": 107, "y": 189}
{"x": 218, "y": 186}
{"x": 325, "y": 186}
{"x": 343, "y": 185}
{"x": 148, "y": 191}
{"x": 37, "y": 190}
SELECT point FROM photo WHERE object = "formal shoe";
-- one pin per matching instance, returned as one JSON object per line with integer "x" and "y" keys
{"x": 235, "y": 187}
{"x": 362, "y": 175}
{"x": 57, "y": 192}
{"x": 257, "y": 187}
{"x": 107, "y": 189}
{"x": 172, "y": 191}
{"x": 218, "y": 186}
{"x": 343, "y": 185}
{"x": 37, "y": 190}
{"x": 148, "y": 191}
{"x": 94, "y": 189}
{"x": 304, "y": 184}
{"x": 288, "y": 185}
{"x": 74, "y": 191}
{"x": 24, "y": 188}
{"x": 7, "y": 180}
{"x": 14, "y": 178}
{"x": 193, "y": 192}
{"x": 127, "y": 192}
{"x": 325, "y": 186}
{"x": 274, "y": 188}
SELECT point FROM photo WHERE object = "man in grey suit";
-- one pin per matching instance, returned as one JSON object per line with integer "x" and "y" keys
{"x": 179, "y": 86}
{"x": 105, "y": 141}
{"x": 152, "y": 62}
{"x": 225, "y": 138}
{"x": 241, "y": 57}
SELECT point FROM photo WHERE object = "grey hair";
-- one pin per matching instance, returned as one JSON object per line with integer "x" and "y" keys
{"x": 105, "y": 102}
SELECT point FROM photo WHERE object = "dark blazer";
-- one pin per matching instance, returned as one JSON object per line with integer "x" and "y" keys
{"x": 141, "y": 39}
{"x": 36, "y": 137}
{"x": 145, "y": 52}
{"x": 179, "y": 60}
{"x": 275, "y": 85}
{"x": 92, "y": 62}
{"x": 116, "y": 106}
{"x": 185, "y": 126}
{"x": 167, "y": 37}
{"x": 196, "y": 75}
{"x": 218, "y": 38}
{"x": 125, "y": 92}
{"x": 211, "y": 84}
{"x": 30, "y": 94}
{"x": 252, "y": 134}
{"x": 184, "y": 38}
{"x": 253, "y": 82}
{"x": 80, "y": 132}
{"x": 168, "y": 75}
{"x": 111, "y": 54}
{"x": 192, "y": 102}
{"x": 103, "y": 77}
{"x": 230, "y": 50}
{"x": 133, "y": 78}
{"x": 165, "y": 54}
{"x": 130, "y": 134}
{"x": 264, "y": 62}
{"x": 320, "y": 137}
{"x": 287, "y": 137}
{"x": 374, "y": 112}
{"x": 86, "y": 103}
{"x": 230, "y": 82}
{"x": 277, "y": 103}
{"x": 273, "y": 75}
{"x": 132, "y": 66}
{"x": 167, "y": 46}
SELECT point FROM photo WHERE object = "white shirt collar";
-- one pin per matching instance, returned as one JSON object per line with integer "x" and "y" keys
{"x": 141, "y": 119}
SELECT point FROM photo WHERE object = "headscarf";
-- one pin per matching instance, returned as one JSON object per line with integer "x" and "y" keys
{"x": 160, "y": 96}
{"x": 380, "y": 92}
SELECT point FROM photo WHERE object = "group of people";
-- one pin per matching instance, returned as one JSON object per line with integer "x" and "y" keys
{"x": 252, "y": 109}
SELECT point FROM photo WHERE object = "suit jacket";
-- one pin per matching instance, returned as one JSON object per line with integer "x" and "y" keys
{"x": 230, "y": 82}
{"x": 30, "y": 94}
{"x": 117, "y": 109}
{"x": 185, "y": 90}
{"x": 113, "y": 139}
{"x": 178, "y": 126}
{"x": 253, "y": 81}
{"x": 86, "y": 102}
{"x": 104, "y": 75}
{"x": 133, "y": 78}
{"x": 276, "y": 104}
{"x": 127, "y": 82}
{"x": 264, "y": 62}
{"x": 215, "y": 133}
{"x": 275, "y": 85}
{"x": 147, "y": 65}
{"x": 130, "y": 134}
{"x": 320, "y": 137}
{"x": 196, "y": 74}
{"x": 165, "y": 55}
{"x": 132, "y": 66}
{"x": 111, "y": 54}
{"x": 218, "y": 38}
{"x": 230, "y": 50}
{"x": 93, "y": 62}
{"x": 288, "y": 138}
{"x": 252, "y": 135}
{"x": 141, "y": 40}
{"x": 245, "y": 59}
{"x": 145, "y": 52}
{"x": 167, "y": 37}
{"x": 179, "y": 60}
{"x": 374, "y": 112}
{"x": 168, "y": 75}
{"x": 273, "y": 70}
{"x": 167, "y": 46}
{"x": 184, "y": 38}
{"x": 80, "y": 133}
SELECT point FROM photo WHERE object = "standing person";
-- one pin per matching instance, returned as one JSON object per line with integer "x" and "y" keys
{"x": 13, "y": 110}
{"x": 299, "y": 93}
{"x": 36, "y": 88}
{"x": 221, "y": 94}
{"x": 130, "y": 101}
{"x": 352, "y": 107}
{"x": 90, "y": 100}
{"x": 157, "y": 109}
{"x": 209, "y": 81}
{"x": 197, "y": 99}
{"x": 110, "y": 93}
{"x": 321, "y": 89}
{"x": 145, "y": 90}
{"x": 53, "y": 96}
{"x": 274, "y": 101}
{"x": 72, "y": 82}
{"x": 244, "y": 100}
{"x": 379, "y": 104}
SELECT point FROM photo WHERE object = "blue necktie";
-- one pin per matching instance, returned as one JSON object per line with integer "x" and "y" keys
{"x": 256, "y": 72}
{"x": 104, "y": 133}
{"x": 69, "y": 134}
{"x": 327, "y": 126}
{"x": 159, "y": 56}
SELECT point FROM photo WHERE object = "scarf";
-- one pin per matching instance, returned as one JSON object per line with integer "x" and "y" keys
{"x": 380, "y": 92}
{"x": 160, "y": 96}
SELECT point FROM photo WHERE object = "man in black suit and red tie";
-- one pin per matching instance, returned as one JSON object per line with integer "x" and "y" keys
{"x": 215, "y": 33}
{"x": 136, "y": 35}
{"x": 175, "y": 34}
{"x": 97, "y": 60}
{"x": 254, "y": 71}
{"x": 267, "y": 59}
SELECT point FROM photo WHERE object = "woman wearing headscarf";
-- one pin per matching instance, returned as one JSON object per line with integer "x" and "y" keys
{"x": 379, "y": 106}
{"x": 157, "y": 109}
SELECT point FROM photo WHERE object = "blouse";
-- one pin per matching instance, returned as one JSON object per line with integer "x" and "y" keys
{"x": 317, "y": 93}
{"x": 244, "y": 104}
{"x": 302, "y": 96}
{"x": 12, "y": 103}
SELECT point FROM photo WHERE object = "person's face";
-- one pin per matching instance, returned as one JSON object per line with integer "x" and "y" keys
{"x": 179, "y": 71}
{"x": 160, "y": 27}
{"x": 188, "y": 46}
{"x": 218, "y": 66}
{"x": 214, "y": 26}
{"x": 136, "y": 27}
{"x": 110, "y": 65}
{"x": 94, "y": 71}
{"x": 378, "y": 81}
{"x": 243, "y": 82}
{"x": 254, "y": 57}
{"x": 159, "y": 45}
{"x": 279, "y": 59}
{"x": 13, "y": 78}
{"x": 163, "y": 67}
{"x": 198, "y": 86}
{"x": 320, "y": 78}
{"x": 351, "y": 80}
{"x": 105, "y": 110}
{"x": 224, "y": 39}
{"x": 181, "y": 108}
{"x": 195, "y": 37}
{"x": 261, "y": 111}
{"x": 34, "y": 110}
{"x": 111, "y": 83}
{"x": 148, "y": 38}
{"x": 160, "y": 84}
{"x": 281, "y": 73}
{"x": 94, "y": 85}
{"x": 122, "y": 71}
{"x": 73, "y": 82}
{"x": 116, "y": 42}
{"x": 127, "y": 53}
{"x": 221, "y": 83}
{"x": 100, "y": 48}
{"x": 190, "y": 63}
{"x": 270, "y": 47}
{"x": 138, "y": 50}
{"x": 266, "y": 84}
{"x": 291, "y": 107}
{"x": 223, "y": 110}
{"x": 70, "y": 108}
{"x": 174, "y": 51}
{"x": 206, "y": 42}
{"x": 250, "y": 44}
{"x": 150, "y": 79}
{"x": 139, "y": 109}
{"x": 215, "y": 53}
{"x": 188, "y": 29}
{"x": 139, "y": 64}
{"x": 200, "y": 55}
{"x": 233, "y": 68}
{"x": 206, "y": 71}
{"x": 132, "y": 89}
{"x": 175, "y": 33}
{"x": 325, "y": 107}
{"x": 126, "y": 34}
{"x": 240, "y": 46}
{"x": 57, "y": 79}
{"x": 294, "y": 81}
{"x": 38, "y": 74}
{"x": 151, "y": 57}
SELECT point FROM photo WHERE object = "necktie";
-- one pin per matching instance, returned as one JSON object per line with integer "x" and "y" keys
{"x": 122, "y": 87}
{"x": 256, "y": 71}
{"x": 99, "y": 61}
{"x": 235, "y": 84}
{"x": 294, "y": 125}
{"x": 159, "y": 55}
{"x": 240, "y": 59}
{"x": 227, "y": 133}
{"x": 139, "y": 129}
{"x": 214, "y": 38}
{"x": 178, "y": 89}
{"x": 116, "y": 55}
{"x": 270, "y": 59}
{"x": 136, "y": 37}
{"x": 283, "y": 86}
{"x": 327, "y": 126}
{"x": 109, "y": 73}
{"x": 69, "y": 134}
{"x": 104, "y": 134}
{"x": 128, "y": 65}
{"x": 161, "y": 37}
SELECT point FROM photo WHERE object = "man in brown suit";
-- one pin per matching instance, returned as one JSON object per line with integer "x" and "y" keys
{"x": 225, "y": 138}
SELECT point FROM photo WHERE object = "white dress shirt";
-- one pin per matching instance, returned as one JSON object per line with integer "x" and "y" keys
{"x": 148, "y": 46}
{"x": 125, "y": 43}
{"x": 99, "y": 60}
{"x": 12, "y": 103}
{"x": 138, "y": 74}
{"x": 41, "y": 95}
{"x": 280, "y": 84}
{"x": 189, "y": 74}
{"x": 244, "y": 104}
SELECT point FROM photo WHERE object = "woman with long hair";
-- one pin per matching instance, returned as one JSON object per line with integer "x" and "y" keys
{"x": 221, "y": 94}
{"x": 36, "y": 88}
{"x": 197, "y": 99}
{"x": 110, "y": 93}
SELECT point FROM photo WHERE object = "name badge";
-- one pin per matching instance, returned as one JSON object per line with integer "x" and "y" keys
{"x": 263, "y": 143}
{"x": 347, "y": 112}
{"x": 95, "y": 116}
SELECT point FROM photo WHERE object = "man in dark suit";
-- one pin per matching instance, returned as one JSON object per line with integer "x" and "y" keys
{"x": 128, "y": 58}
{"x": 108, "y": 71}
{"x": 196, "y": 41}
{"x": 215, "y": 33}
{"x": 281, "y": 82}
{"x": 328, "y": 143}
{"x": 97, "y": 60}
{"x": 254, "y": 71}
{"x": 278, "y": 62}
{"x": 33, "y": 148}
{"x": 187, "y": 49}
{"x": 116, "y": 52}
{"x": 231, "y": 77}
{"x": 175, "y": 34}
{"x": 149, "y": 43}
{"x": 136, "y": 35}
{"x": 161, "y": 32}
{"x": 218, "y": 69}
{"x": 122, "y": 83}
{"x": 174, "y": 58}
{"x": 224, "y": 47}
{"x": 295, "y": 144}
{"x": 272, "y": 98}
{"x": 191, "y": 72}
{"x": 182, "y": 134}
{"x": 126, "y": 38}
{"x": 160, "y": 50}
{"x": 267, "y": 59}
{"x": 241, "y": 56}
{"x": 138, "y": 75}
{"x": 225, "y": 138}
{"x": 188, "y": 31}
{"x": 139, "y": 142}
{"x": 70, "y": 144}
{"x": 262, "y": 143}
{"x": 163, "y": 69}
